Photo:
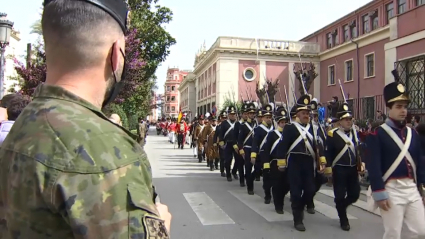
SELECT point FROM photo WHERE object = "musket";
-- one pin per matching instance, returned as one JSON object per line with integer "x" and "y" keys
{"x": 287, "y": 103}
{"x": 359, "y": 162}
{"x": 247, "y": 95}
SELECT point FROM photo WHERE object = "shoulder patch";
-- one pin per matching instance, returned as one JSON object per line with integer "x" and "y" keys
{"x": 331, "y": 132}
{"x": 155, "y": 228}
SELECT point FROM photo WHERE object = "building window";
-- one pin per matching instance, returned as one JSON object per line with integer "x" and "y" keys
{"x": 353, "y": 27}
{"x": 175, "y": 77}
{"x": 168, "y": 98}
{"x": 349, "y": 70}
{"x": 168, "y": 88}
{"x": 168, "y": 108}
{"x": 420, "y": 2}
{"x": 368, "y": 108}
{"x": 173, "y": 98}
{"x": 329, "y": 41}
{"x": 335, "y": 37}
{"x": 249, "y": 74}
{"x": 331, "y": 75}
{"x": 401, "y": 6}
{"x": 375, "y": 22}
{"x": 370, "y": 65}
{"x": 346, "y": 33}
{"x": 366, "y": 24}
{"x": 173, "y": 108}
{"x": 390, "y": 11}
{"x": 173, "y": 88}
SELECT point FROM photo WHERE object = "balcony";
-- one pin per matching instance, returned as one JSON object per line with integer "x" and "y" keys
{"x": 236, "y": 43}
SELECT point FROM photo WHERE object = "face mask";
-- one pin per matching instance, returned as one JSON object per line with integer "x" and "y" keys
{"x": 117, "y": 86}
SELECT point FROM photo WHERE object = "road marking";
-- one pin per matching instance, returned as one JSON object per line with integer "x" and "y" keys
{"x": 360, "y": 204}
{"x": 256, "y": 203}
{"x": 208, "y": 212}
{"x": 326, "y": 210}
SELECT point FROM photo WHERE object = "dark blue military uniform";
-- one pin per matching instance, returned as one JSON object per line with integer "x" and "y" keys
{"x": 341, "y": 148}
{"x": 245, "y": 137}
{"x": 271, "y": 158}
{"x": 258, "y": 166}
{"x": 319, "y": 179}
{"x": 260, "y": 133}
{"x": 223, "y": 116}
{"x": 300, "y": 147}
{"x": 228, "y": 142}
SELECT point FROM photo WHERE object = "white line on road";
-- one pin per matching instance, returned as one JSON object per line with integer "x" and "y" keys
{"x": 360, "y": 204}
{"x": 256, "y": 203}
{"x": 208, "y": 212}
{"x": 326, "y": 210}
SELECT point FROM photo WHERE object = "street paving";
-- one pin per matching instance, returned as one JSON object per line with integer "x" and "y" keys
{"x": 204, "y": 205}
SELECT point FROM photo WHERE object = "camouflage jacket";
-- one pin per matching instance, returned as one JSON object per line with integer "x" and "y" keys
{"x": 66, "y": 171}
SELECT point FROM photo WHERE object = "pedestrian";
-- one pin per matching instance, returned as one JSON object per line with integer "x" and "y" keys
{"x": 396, "y": 169}
{"x": 66, "y": 170}
{"x": 14, "y": 109}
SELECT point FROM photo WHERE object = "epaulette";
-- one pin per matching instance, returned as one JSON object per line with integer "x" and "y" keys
{"x": 331, "y": 132}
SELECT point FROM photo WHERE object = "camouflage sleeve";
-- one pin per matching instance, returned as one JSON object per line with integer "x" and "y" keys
{"x": 115, "y": 204}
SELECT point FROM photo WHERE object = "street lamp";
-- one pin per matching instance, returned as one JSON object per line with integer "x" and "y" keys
{"x": 5, "y": 31}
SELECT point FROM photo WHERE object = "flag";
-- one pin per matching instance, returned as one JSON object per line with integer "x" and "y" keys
{"x": 180, "y": 115}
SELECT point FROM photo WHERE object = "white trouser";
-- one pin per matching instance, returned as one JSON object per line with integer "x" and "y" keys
{"x": 172, "y": 135}
{"x": 195, "y": 149}
{"x": 187, "y": 138}
{"x": 406, "y": 207}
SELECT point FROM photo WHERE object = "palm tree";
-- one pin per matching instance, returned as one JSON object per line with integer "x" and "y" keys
{"x": 36, "y": 26}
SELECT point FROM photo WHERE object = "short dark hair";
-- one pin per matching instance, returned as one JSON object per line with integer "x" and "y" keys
{"x": 5, "y": 101}
{"x": 16, "y": 106}
{"x": 79, "y": 31}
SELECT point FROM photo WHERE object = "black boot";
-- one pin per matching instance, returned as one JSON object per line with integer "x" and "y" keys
{"x": 298, "y": 220}
{"x": 223, "y": 174}
{"x": 343, "y": 219}
{"x": 211, "y": 166}
{"x": 278, "y": 209}
{"x": 310, "y": 208}
{"x": 199, "y": 158}
{"x": 216, "y": 163}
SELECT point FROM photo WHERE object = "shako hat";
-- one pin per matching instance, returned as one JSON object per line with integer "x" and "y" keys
{"x": 303, "y": 103}
{"x": 251, "y": 108}
{"x": 201, "y": 117}
{"x": 268, "y": 109}
{"x": 223, "y": 114}
{"x": 314, "y": 105}
{"x": 231, "y": 110}
{"x": 281, "y": 114}
{"x": 212, "y": 118}
{"x": 245, "y": 107}
{"x": 260, "y": 113}
{"x": 343, "y": 111}
{"x": 395, "y": 91}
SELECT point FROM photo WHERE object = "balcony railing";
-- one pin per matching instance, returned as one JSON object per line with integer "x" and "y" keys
{"x": 266, "y": 45}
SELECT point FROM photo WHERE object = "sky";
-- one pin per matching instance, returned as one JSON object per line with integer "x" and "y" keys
{"x": 195, "y": 22}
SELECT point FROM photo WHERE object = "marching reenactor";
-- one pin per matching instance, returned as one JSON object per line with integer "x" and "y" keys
{"x": 341, "y": 155}
{"x": 260, "y": 133}
{"x": 396, "y": 168}
{"x": 222, "y": 117}
{"x": 192, "y": 136}
{"x": 245, "y": 142}
{"x": 300, "y": 147}
{"x": 228, "y": 142}
{"x": 196, "y": 134}
{"x": 257, "y": 166}
{"x": 207, "y": 137}
{"x": 320, "y": 178}
{"x": 239, "y": 159}
{"x": 182, "y": 129}
{"x": 271, "y": 158}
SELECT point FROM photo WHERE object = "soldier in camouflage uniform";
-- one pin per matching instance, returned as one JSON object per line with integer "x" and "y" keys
{"x": 66, "y": 171}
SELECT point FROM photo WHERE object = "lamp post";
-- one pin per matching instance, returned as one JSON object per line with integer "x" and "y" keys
{"x": 5, "y": 31}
